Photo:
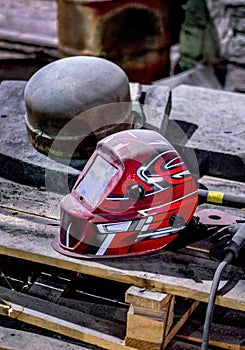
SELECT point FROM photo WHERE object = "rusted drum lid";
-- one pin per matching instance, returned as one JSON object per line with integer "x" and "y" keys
{"x": 74, "y": 102}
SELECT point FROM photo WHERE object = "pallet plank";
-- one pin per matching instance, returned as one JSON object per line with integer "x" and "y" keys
{"x": 26, "y": 199}
{"x": 180, "y": 323}
{"x": 39, "y": 250}
{"x": 63, "y": 320}
{"x": 66, "y": 328}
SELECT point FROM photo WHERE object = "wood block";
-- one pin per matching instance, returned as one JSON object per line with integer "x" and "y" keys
{"x": 142, "y": 345}
{"x": 140, "y": 297}
{"x": 148, "y": 327}
{"x": 152, "y": 314}
{"x": 144, "y": 332}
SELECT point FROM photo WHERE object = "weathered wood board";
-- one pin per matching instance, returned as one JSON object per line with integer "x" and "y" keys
{"x": 28, "y": 233}
{"x": 59, "y": 315}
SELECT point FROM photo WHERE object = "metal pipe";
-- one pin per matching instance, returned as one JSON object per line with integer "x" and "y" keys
{"x": 221, "y": 198}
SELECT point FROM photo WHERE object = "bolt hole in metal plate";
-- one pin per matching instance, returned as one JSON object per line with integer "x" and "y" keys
{"x": 215, "y": 217}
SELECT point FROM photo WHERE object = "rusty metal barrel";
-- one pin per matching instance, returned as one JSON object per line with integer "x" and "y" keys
{"x": 136, "y": 35}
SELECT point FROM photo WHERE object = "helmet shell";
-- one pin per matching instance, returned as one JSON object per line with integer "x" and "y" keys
{"x": 134, "y": 196}
{"x": 76, "y": 101}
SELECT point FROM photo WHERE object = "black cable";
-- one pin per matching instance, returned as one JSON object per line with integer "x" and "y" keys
{"x": 212, "y": 296}
{"x": 231, "y": 252}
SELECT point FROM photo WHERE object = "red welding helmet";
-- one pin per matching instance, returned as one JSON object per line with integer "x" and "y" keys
{"x": 134, "y": 196}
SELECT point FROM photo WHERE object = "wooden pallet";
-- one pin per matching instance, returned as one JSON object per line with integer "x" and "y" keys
{"x": 154, "y": 281}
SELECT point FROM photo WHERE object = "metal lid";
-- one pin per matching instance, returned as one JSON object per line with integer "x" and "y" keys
{"x": 74, "y": 98}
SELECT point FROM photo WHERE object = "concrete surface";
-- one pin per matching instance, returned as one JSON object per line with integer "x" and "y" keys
{"x": 18, "y": 159}
{"x": 214, "y": 122}
{"x": 201, "y": 75}
{"x": 17, "y": 339}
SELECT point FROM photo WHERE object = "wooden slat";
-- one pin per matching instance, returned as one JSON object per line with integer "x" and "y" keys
{"x": 29, "y": 237}
{"x": 66, "y": 328}
{"x": 26, "y": 199}
{"x": 79, "y": 317}
{"x": 217, "y": 344}
{"x": 180, "y": 323}
{"x": 38, "y": 249}
{"x": 68, "y": 321}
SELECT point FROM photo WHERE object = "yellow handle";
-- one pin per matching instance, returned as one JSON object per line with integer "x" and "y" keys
{"x": 215, "y": 197}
